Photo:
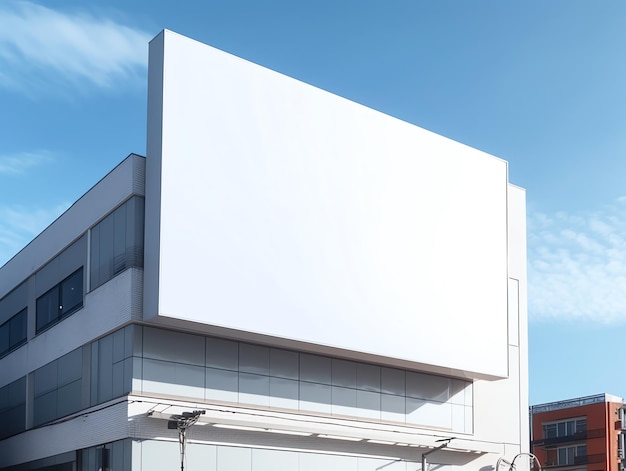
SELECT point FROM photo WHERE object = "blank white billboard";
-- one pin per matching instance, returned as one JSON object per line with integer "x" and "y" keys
{"x": 277, "y": 208}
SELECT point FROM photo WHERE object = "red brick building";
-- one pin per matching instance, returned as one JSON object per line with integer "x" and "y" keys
{"x": 579, "y": 434}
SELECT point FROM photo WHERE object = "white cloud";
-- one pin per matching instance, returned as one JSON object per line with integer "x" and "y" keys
{"x": 16, "y": 164}
{"x": 19, "y": 225}
{"x": 577, "y": 265}
{"x": 40, "y": 46}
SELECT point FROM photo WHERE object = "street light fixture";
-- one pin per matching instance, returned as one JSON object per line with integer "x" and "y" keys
{"x": 182, "y": 423}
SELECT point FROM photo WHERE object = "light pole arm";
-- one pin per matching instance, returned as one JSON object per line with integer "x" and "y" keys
{"x": 424, "y": 455}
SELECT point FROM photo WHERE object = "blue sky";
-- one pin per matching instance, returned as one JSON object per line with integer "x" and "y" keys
{"x": 538, "y": 83}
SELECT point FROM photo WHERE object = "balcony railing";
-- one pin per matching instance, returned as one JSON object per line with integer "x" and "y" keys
{"x": 576, "y": 437}
{"x": 578, "y": 460}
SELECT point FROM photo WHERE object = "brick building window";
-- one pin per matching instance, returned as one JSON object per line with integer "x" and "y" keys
{"x": 565, "y": 428}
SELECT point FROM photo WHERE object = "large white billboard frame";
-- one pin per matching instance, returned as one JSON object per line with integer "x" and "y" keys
{"x": 277, "y": 208}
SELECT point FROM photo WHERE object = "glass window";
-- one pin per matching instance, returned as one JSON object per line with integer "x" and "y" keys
{"x": 571, "y": 454}
{"x": 60, "y": 301}
{"x": 17, "y": 329}
{"x": 71, "y": 293}
{"x": 13, "y": 332}
{"x": 13, "y": 408}
{"x": 47, "y": 308}
{"x": 549, "y": 431}
{"x": 564, "y": 428}
{"x": 117, "y": 242}
{"x": 4, "y": 338}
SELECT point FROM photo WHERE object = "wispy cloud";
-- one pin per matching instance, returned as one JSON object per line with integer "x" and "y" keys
{"x": 19, "y": 224}
{"x": 19, "y": 163}
{"x": 577, "y": 265}
{"x": 40, "y": 46}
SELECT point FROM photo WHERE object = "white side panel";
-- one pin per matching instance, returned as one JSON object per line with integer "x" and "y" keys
{"x": 513, "y": 311}
{"x": 517, "y": 270}
{"x": 496, "y": 406}
{"x": 287, "y": 211}
{"x": 501, "y": 407}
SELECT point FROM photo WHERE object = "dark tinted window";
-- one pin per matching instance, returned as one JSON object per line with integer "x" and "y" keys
{"x": 117, "y": 242}
{"x": 71, "y": 293}
{"x": 60, "y": 301}
{"x": 13, "y": 332}
{"x": 48, "y": 308}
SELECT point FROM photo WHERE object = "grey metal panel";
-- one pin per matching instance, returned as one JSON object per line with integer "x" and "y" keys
{"x": 457, "y": 391}
{"x": 368, "y": 377}
{"x": 137, "y": 374}
{"x": 139, "y": 174}
{"x": 94, "y": 258}
{"x": 127, "y": 375}
{"x": 89, "y": 459}
{"x": 343, "y": 401}
{"x": 4, "y": 397}
{"x": 95, "y": 373}
{"x": 119, "y": 344}
{"x": 86, "y": 377}
{"x": 254, "y": 389}
{"x": 222, "y": 385}
{"x": 118, "y": 379}
{"x": 129, "y": 332}
{"x": 284, "y": 363}
{"x": 168, "y": 345}
{"x": 48, "y": 276}
{"x": 315, "y": 397}
{"x": 284, "y": 393}
{"x": 315, "y": 368}
{"x": 70, "y": 367}
{"x": 137, "y": 339}
{"x": 222, "y": 354}
{"x": 45, "y": 408}
{"x": 117, "y": 456}
{"x": 344, "y": 373}
{"x": 433, "y": 414}
{"x": 69, "y": 398}
{"x": 105, "y": 368}
{"x": 46, "y": 378}
{"x": 254, "y": 359}
{"x": 16, "y": 392}
{"x": 12, "y": 420}
{"x": 368, "y": 404}
{"x": 73, "y": 257}
{"x": 173, "y": 378}
{"x": 393, "y": 381}
{"x": 424, "y": 386}
{"x": 392, "y": 408}
{"x": 14, "y": 302}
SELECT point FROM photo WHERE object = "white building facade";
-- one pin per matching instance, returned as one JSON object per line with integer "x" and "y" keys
{"x": 326, "y": 286}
